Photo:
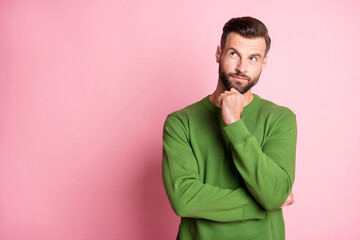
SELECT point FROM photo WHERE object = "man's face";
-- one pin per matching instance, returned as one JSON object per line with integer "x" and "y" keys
{"x": 241, "y": 62}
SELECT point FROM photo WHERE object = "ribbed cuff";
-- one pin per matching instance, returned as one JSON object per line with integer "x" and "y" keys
{"x": 237, "y": 132}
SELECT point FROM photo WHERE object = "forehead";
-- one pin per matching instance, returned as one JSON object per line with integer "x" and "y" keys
{"x": 241, "y": 44}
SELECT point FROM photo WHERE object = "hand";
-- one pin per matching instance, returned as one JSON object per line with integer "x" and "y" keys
{"x": 289, "y": 200}
{"x": 232, "y": 105}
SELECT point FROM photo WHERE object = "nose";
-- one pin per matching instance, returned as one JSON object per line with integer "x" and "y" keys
{"x": 241, "y": 66}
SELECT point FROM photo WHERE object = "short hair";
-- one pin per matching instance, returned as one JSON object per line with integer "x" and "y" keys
{"x": 247, "y": 27}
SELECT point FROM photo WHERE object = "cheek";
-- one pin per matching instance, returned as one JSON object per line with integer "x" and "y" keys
{"x": 256, "y": 70}
{"x": 228, "y": 64}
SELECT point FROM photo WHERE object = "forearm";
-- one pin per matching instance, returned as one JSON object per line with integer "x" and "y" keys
{"x": 268, "y": 183}
{"x": 268, "y": 172}
{"x": 191, "y": 198}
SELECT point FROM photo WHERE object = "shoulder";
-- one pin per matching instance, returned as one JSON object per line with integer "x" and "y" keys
{"x": 187, "y": 112}
{"x": 183, "y": 116}
{"x": 270, "y": 108}
{"x": 276, "y": 115}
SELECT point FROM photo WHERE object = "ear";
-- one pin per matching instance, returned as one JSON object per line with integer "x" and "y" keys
{"x": 218, "y": 54}
{"x": 264, "y": 62}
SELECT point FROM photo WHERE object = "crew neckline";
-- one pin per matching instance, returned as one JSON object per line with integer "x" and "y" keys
{"x": 213, "y": 108}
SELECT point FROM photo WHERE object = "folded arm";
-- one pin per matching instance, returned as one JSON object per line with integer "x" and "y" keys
{"x": 268, "y": 171}
{"x": 189, "y": 197}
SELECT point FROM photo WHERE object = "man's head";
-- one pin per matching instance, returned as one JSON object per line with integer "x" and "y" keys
{"x": 243, "y": 53}
{"x": 246, "y": 27}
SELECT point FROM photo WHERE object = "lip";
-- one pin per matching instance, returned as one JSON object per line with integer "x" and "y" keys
{"x": 240, "y": 79}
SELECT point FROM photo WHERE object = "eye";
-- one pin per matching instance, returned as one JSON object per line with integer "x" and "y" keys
{"x": 233, "y": 53}
{"x": 254, "y": 59}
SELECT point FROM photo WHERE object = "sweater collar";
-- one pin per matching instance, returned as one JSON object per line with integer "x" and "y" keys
{"x": 213, "y": 108}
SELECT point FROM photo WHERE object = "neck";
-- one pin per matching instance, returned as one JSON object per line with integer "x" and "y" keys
{"x": 221, "y": 88}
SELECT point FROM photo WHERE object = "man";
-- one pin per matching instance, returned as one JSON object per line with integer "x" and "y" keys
{"x": 229, "y": 159}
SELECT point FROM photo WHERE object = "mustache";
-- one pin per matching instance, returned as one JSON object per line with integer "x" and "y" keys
{"x": 240, "y": 75}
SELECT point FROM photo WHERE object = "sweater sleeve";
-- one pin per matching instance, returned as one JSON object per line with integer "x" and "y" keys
{"x": 268, "y": 172}
{"x": 188, "y": 196}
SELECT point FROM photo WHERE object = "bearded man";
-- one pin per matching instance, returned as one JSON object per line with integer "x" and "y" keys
{"x": 229, "y": 159}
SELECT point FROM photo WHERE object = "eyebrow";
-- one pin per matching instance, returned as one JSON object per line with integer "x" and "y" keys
{"x": 252, "y": 55}
{"x": 256, "y": 55}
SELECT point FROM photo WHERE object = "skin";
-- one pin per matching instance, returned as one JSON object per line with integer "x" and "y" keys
{"x": 241, "y": 60}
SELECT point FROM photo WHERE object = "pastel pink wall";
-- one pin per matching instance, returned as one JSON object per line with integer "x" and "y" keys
{"x": 85, "y": 87}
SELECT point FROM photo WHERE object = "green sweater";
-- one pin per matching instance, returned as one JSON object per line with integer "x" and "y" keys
{"x": 228, "y": 182}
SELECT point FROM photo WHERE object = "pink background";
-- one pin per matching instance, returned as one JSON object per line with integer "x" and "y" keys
{"x": 85, "y": 87}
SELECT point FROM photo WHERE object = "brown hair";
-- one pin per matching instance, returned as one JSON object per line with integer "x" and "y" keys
{"x": 247, "y": 27}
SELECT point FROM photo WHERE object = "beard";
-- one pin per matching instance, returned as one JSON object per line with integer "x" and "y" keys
{"x": 239, "y": 86}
